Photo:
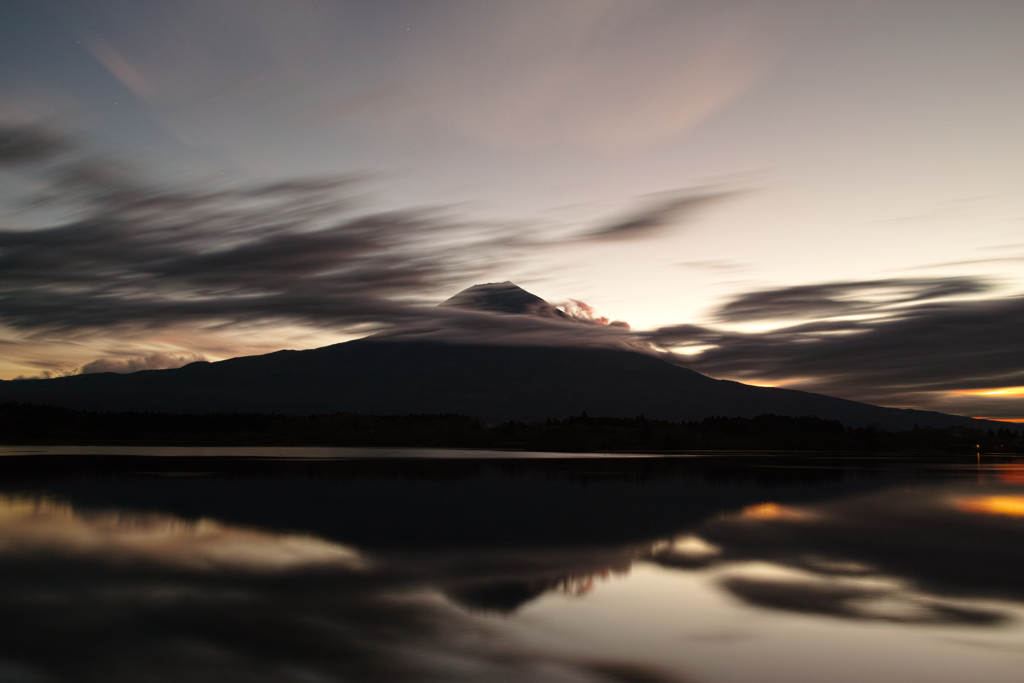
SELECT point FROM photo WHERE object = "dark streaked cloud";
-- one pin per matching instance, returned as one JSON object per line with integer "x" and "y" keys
{"x": 844, "y": 298}
{"x": 662, "y": 214}
{"x": 972, "y": 262}
{"x": 26, "y": 144}
{"x": 145, "y": 255}
{"x": 910, "y": 350}
{"x": 713, "y": 264}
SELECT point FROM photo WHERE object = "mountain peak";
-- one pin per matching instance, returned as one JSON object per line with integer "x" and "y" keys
{"x": 502, "y": 297}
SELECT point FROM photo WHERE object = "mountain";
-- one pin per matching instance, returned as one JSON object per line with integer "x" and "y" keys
{"x": 493, "y": 382}
{"x": 503, "y": 297}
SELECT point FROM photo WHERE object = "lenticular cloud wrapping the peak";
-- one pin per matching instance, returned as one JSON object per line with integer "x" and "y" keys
{"x": 507, "y": 297}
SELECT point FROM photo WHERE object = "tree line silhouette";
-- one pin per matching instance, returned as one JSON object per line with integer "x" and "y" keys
{"x": 22, "y": 423}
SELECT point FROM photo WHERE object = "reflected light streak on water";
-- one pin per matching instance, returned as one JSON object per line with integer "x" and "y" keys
{"x": 773, "y": 511}
{"x": 1008, "y": 506}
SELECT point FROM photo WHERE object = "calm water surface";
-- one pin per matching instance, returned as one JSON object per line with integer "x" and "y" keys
{"x": 351, "y": 566}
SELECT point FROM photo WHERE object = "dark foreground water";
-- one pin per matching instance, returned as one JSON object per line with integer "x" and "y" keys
{"x": 189, "y": 566}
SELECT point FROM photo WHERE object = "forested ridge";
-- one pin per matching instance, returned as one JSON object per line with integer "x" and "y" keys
{"x": 22, "y": 423}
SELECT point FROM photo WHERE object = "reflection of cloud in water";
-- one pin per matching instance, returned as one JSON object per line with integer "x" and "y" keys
{"x": 99, "y": 595}
{"x": 684, "y": 551}
{"x": 900, "y": 555}
{"x": 43, "y": 525}
{"x": 866, "y": 597}
{"x": 687, "y": 546}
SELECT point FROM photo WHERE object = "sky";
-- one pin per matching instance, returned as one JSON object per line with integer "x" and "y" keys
{"x": 818, "y": 195}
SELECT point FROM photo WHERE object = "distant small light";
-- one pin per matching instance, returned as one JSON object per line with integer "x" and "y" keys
{"x": 773, "y": 511}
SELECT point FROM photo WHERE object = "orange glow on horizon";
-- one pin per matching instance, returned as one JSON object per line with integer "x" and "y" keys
{"x": 1003, "y": 506}
{"x": 997, "y": 391}
{"x": 1015, "y": 420}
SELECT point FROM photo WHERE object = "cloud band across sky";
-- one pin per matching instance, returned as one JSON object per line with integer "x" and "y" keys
{"x": 920, "y": 347}
{"x": 139, "y": 259}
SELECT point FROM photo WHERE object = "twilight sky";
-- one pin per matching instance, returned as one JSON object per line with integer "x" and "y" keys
{"x": 815, "y": 194}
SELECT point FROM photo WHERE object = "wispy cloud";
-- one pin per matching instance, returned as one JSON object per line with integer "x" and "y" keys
{"x": 27, "y": 144}
{"x": 661, "y": 214}
{"x": 971, "y": 262}
{"x": 587, "y": 74}
{"x": 845, "y": 298}
{"x": 144, "y": 255}
{"x": 152, "y": 361}
{"x": 139, "y": 258}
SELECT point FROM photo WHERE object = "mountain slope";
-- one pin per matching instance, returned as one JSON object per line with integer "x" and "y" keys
{"x": 491, "y": 382}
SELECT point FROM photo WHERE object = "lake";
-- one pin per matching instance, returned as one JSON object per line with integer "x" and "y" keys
{"x": 134, "y": 564}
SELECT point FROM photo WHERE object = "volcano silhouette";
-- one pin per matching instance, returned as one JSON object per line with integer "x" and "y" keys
{"x": 494, "y": 382}
{"x": 503, "y": 297}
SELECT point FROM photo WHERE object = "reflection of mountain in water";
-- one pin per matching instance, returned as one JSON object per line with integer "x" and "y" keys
{"x": 455, "y": 504}
{"x": 395, "y": 570}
